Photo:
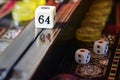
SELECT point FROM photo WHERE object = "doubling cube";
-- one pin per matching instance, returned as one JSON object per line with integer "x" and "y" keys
{"x": 45, "y": 16}
{"x": 101, "y": 47}
{"x": 82, "y": 56}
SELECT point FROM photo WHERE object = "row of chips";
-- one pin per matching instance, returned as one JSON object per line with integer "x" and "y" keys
{"x": 94, "y": 21}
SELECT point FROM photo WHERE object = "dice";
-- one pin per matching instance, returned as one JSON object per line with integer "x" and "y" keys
{"x": 82, "y": 56}
{"x": 45, "y": 16}
{"x": 100, "y": 47}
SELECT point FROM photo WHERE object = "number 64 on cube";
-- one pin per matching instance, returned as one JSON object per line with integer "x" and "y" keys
{"x": 45, "y": 16}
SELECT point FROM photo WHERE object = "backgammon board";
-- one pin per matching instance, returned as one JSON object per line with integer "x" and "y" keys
{"x": 16, "y": 40}
{"x": 59, "y": 62}
{"x": 49, "y": 54}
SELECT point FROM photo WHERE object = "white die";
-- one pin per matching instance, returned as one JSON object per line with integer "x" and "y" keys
{"x": 82, "y": 56}
{"x": 101, "y": 47}
{"x": 45, "y": 16}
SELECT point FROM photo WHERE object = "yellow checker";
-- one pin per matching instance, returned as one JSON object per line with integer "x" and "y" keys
{"x": 38, "y": 2}
{"x": 23, "y": 12}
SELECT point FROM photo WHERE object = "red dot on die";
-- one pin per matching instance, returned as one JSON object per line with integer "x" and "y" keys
{"x": 100, "y": 41}
{"x": 82, "y": 50}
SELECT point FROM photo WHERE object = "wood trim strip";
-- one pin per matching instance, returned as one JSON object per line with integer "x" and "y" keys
{"x": 118, "y": 16}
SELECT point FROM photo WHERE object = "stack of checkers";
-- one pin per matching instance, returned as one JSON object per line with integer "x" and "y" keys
{"x": 94, "y": 21}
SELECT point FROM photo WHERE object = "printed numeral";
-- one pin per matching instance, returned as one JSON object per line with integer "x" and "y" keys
{"x": 42, "y": 20}
{"x": 43, "y": 37}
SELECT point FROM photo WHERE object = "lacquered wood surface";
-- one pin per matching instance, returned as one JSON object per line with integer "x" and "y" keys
{"x": 41, "y": 46}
